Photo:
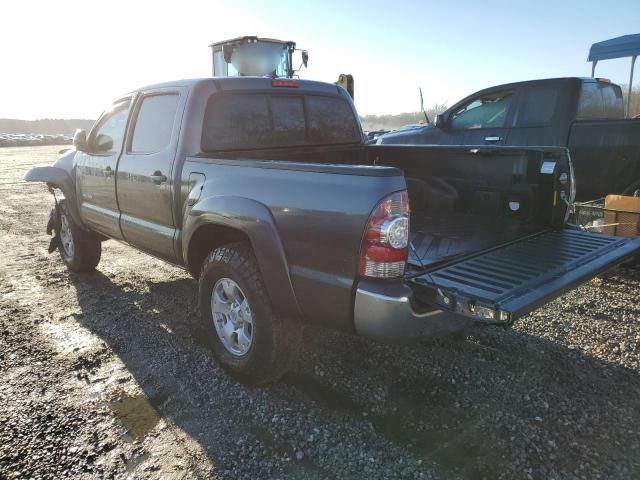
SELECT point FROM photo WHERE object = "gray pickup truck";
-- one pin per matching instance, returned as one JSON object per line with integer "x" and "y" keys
{"x": 265, "y": 191}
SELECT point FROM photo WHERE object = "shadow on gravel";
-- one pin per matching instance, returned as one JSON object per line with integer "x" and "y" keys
{"x": 154, "y": 330}
{"x": 496, "y": 403}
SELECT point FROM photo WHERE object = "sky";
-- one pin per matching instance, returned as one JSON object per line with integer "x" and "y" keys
{"x": 70, "y": 59}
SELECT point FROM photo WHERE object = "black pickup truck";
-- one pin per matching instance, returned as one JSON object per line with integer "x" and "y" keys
{"x": 265, "y": 190}
{"x": 585, "y": 115}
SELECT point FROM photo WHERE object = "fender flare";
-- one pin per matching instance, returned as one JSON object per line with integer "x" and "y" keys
{"x": 255, "y": 220}
{"x": 58, "y": 178}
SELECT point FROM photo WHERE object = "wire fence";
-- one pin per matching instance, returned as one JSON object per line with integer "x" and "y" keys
{"x": 595, "y": 217}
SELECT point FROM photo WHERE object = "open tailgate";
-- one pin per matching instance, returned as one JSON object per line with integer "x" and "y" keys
{"x": 509, "y": 281}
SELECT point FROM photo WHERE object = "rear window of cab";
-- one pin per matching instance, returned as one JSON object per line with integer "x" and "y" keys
{"x": 252, "y": 121}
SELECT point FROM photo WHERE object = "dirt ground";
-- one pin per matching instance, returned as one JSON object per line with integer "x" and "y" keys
{"x": 105, "y": 375}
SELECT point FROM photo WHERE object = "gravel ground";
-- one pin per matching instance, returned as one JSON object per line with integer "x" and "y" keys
{"x": 104, "y": 376}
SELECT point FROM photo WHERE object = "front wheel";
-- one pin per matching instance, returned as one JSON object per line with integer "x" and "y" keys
{"x": 80, "y": 250}
{"x": 249, "y": 340}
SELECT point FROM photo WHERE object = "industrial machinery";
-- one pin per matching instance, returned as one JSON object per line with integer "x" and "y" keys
{"x": 254, "y": 56}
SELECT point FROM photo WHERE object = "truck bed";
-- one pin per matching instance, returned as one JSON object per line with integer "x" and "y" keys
{"x": 465, "y": 199}
{"x": 434, "y": 238}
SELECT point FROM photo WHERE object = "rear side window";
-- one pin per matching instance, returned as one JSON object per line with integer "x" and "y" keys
{"x": 235, "y": 121}
{"x": 487, "y": 111}
{"x": 154, "y": 123}
{"x": 538, "y": 105}
{"x": 600, "y": 100}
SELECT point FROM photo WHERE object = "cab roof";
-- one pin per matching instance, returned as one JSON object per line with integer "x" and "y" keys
{"x": 247, "y": 83}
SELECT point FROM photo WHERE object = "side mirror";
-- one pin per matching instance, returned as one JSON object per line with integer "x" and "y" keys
{"x": 80, "y": 140}
{"x": 440, "y": 121}
{"x": 305, "y": 58}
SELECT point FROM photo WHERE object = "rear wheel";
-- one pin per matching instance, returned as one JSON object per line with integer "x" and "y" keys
{"x": 249, "y": 340}
{"x": 80, "y": 250}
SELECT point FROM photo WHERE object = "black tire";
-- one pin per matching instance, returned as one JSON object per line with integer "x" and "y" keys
{"x": 86, "y": 249}
{"x": 274, "y": 338}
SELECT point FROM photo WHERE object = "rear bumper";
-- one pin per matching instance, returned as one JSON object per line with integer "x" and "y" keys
{"x": 389, "y": 312}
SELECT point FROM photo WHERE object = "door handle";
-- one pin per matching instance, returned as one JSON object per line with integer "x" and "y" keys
{"x": 493, "y": 139}
{"x": 158, "y": 177}
{"x": 108, "y": 171}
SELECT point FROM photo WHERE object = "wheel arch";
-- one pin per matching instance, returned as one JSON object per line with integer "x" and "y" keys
{"x": 208, "y": 237}
{"x": 216, "y": 221}
{"x": 57, "y": 177}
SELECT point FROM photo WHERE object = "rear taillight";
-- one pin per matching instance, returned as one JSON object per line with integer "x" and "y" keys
{"x": 384, "y": 249}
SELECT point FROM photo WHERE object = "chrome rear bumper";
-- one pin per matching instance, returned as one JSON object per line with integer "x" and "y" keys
{"x": 388, "y": 312}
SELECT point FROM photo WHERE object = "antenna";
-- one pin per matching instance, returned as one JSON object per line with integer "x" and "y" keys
{"x": 426, "y": 117}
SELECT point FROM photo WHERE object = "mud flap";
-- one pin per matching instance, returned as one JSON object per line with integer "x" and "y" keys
{"x": 507, "y": 282}
{"x": 53, "y": 226}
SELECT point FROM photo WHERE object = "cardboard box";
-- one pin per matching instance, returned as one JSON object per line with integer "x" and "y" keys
{"x": 624, "y": 212}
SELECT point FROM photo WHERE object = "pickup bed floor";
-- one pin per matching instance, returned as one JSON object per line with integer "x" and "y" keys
{"x": 436, "y": 238}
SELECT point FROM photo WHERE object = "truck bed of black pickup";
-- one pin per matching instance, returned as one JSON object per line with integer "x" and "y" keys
{"x": 586, "y": 115}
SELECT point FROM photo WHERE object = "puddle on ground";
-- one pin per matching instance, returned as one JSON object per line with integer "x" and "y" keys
{"x": 69, "y": 337}
{"x": 135, "y": 412}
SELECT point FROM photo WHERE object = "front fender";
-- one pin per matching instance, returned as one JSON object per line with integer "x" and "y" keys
{"x": 59, "y": 178}
{"x": 254, "y": 219}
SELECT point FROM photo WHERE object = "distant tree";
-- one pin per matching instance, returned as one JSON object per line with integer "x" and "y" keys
{"x": 391, "y": 122}
{"x": 635, "y": 98}
{"x": 44, "y": 125}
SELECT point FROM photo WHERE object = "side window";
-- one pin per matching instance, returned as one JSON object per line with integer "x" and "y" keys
{"x": 489, "y": 110}
{"x": 154, "y": 123}
{"x": 600, "y": 100}
{"x": 538, "y": 105}
{"x": 107, "y": 137}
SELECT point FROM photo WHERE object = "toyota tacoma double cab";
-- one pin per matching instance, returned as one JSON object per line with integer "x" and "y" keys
{"x": 266, "y": 192}
{"x": 586, "y": 115}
